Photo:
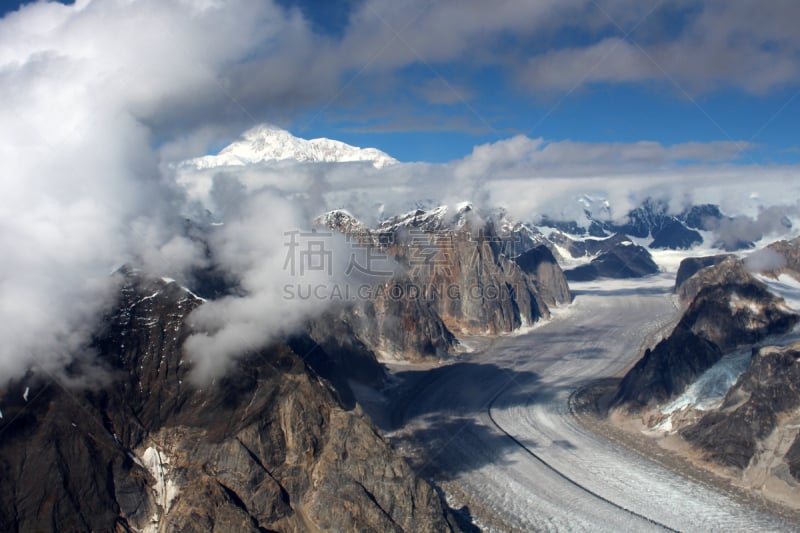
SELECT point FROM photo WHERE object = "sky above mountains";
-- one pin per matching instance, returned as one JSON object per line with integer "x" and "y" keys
{"x": 428, "y": 80}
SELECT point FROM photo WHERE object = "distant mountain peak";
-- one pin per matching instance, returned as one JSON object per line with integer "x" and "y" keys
{"x": 265, "y": 143}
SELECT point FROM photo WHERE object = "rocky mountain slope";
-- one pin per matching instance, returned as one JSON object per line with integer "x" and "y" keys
{"x": 613, "y": 257}
{"x": 767, "y": 392}
{"x": 724, "y": 387}
{"x": 789, "y": 263}
{"x": 454, "y": 277}
{"x": 726, "y": 307}
{"x": 650, "y": 220}
{"x": 139, "y": 447}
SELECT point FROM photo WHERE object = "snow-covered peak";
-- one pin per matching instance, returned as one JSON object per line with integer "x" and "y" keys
{"x": 423, "y": 219}
{"x": 268, "y": 143}
{"x": 343, "y": 221}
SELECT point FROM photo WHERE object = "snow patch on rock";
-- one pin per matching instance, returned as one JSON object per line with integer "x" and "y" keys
{"x": 165, "y": 489}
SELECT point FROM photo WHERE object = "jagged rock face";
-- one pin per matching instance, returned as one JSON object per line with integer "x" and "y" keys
{"x": 266, "y": 448}
{"x": 702, "y": 217}
{"x": 651, "y": 219}
{"x": 453, "y": 273}
{"x": 470, "y": 285}
{"x": 666, "y": 370}
{"x": 541, "y": 266}
{"x": 342, "y": 221}
{"x": 517, "y": 238}
{"x": 790, "y": 252}
{"x": 727, "y": 308}
{"x": 675, "y": 236}
{"x": 617, "y": 257}
{"x": 688, "y": 268}
{"x": 731, "y": 435}
{"x": 399, "y": 324}
{"x": 645, "y": 220}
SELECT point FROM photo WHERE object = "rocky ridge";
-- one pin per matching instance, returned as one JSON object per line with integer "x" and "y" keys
{"x": 726, "y": 307}
{"x": 719, "y": 389}
{"x": 454, "y": 275}
{"x": 266, "y": 448}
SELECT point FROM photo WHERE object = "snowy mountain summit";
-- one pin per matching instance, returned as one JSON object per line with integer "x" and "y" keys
{"x": 268, "y": 143}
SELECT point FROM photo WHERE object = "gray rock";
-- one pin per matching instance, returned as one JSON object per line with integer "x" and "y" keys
{"x": 726, "y": 307}
{"x": 266, "y": 448}
{"x": 750, "y": 412}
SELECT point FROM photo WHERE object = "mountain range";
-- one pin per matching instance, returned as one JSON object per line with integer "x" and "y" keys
{"x": 125, "y": 438}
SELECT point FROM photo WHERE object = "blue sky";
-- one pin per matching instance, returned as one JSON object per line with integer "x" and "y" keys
{"x": 428, "y": 81}
{"x": 489, "y": 103}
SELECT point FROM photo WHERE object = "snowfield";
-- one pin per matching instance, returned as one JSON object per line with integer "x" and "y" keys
{"x": 497, "y": 424}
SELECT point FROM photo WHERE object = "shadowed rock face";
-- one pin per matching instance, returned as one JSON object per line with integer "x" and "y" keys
{"x": 616, "y": 257}
{"x": 541, "y": 266}
{"x": 727, "y": 307}
{"x": 704, "y": 217}
{"x": 666, "y": 370}
{"x": 792, "y": 458}
{"x": 750, "y": 412}
{"x": 691, "y": 266}
{"x": 674, "y": 235}
{"x": 266, "y": 448}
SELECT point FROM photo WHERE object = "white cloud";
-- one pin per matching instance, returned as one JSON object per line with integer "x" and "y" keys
{"x": 86, "y": 92}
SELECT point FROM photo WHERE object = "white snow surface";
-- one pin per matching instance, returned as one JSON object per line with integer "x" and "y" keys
{"x": 157, "y": 463}
{"x": 785, "y": 286}
{"x": 267, "y": 143}
{"x": 710, "y": 388}
{"x": 498, "y": 423}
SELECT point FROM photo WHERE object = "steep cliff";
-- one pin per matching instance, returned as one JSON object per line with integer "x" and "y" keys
{"x": 450, "y": 273}
{"x": 726, "y": 307}
{"x": 754, "y": 408}
{"x": 140, "y": 447}
{"x": 614, "y": 257}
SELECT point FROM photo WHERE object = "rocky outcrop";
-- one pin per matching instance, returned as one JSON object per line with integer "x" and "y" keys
{"x": 516, "y": 238}
{"x": 702, "y": 217}
{"x": 652, "y": 220}
{"x": 732, "y": 434}
{"x": 673, "y": 235}
{"x": 616, "y": 257}
{"x": 726, "y": 307}
{"x": 451, "y": 272}
{"x": 541, "y": 266}
{"x": 789, "y": 252}
{"x": 792, "y": 458}
{"x": 137, "y": 446}
{"x": 688, "y": 268}
{"x": 467, "y": 281}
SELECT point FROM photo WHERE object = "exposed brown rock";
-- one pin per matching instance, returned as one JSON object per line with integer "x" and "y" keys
{"x": 727, "y": 307}
{"x": 266, "y": 448}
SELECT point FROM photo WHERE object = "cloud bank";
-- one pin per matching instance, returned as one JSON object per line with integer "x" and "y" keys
{"x": 87, "y": 97}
